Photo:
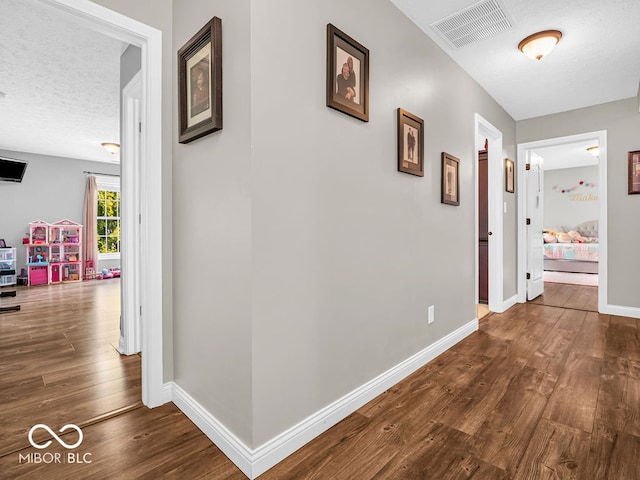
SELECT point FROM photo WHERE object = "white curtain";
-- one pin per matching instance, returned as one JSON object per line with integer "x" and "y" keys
{"x": 90, "y": 240}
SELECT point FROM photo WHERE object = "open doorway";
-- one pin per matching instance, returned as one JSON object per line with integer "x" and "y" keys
{"x": 571, "y": 196}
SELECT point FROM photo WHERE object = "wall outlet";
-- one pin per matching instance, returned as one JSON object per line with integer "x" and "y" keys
{"x": 431, "y": 315}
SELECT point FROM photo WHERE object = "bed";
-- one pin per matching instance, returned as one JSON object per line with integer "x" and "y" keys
{"x": 576, "y": 250}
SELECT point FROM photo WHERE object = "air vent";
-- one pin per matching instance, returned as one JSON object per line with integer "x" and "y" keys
{"x": 472, "y": 24}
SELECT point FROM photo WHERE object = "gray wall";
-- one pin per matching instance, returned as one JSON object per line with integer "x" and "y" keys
{"x": 622, "y": 122}
{"x": 348, "y": 253}
{"x": 52, "y": 189}
{"x": 130, "y": 64}
{"x": 212, "y": 231}
{"x": 571, "y": 208}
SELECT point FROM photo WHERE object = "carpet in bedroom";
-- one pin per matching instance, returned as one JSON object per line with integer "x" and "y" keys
{"x": 590, "y": 279}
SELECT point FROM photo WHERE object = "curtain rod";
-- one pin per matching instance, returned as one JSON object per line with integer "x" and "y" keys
{"x": 105, "y": 174}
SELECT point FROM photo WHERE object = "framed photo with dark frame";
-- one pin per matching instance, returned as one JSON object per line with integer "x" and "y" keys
{"x": 347, "y": 74}
{"x": 634, "y": 172}
{"x": 3, "y": 244}
{"x": 509, "y": 175}
{"x": 410, "y": 143}
{"x": 450, "y": 179}
{"x": 200, "y": 83}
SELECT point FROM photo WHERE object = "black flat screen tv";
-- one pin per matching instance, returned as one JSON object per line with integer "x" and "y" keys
{"x": 12, "y": 170}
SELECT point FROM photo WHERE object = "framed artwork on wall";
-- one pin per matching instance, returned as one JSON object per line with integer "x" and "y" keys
{"x": 410, "y": 143}
{"x": 347, "y": 74}
{"x": 634, "y": 172}
{"x": 200, "y": 83}
{"x": 509, "y": 175}
{"x": 450, "y": 179}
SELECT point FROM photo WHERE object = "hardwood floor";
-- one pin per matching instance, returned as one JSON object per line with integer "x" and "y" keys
{"x": 541, "y": 391}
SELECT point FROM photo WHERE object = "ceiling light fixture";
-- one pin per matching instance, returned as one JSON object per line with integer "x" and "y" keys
{"x": 540, "y": 44}
{"x": 112, "y": 148}
{"x": 595, "y": 150}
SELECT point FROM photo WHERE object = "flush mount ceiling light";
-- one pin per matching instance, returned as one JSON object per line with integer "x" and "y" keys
{"x": 540, "y": 44}
{"x": 112, "y": 148}
{"x": 595, "y": 150}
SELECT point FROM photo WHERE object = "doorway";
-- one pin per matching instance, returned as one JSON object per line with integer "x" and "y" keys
{"x": 489, "y": 138}
{"x": 148, "y": 182}
{"x": 570, "y": 190}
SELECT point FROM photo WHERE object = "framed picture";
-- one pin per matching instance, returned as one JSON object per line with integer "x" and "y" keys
{"x": 200, "y": 83}
{"x": 347, "y": 74}
{"x": 450, "y": 179}
{"x": 509, "y": 175}
{"x": 634, "y": 172}
{"x": 2, "y": 243}
{"x": 410, "y": 143}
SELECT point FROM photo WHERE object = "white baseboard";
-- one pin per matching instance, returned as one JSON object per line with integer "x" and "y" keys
{"x": 231, "y": 446}
{"x": 254, "y": 462}
{"x": 510, "y": 302}
{"x": 621, "y": 311}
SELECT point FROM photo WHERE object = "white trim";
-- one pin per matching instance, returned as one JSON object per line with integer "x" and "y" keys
{"x": 600, "y": 137}
{"x": 484, "y": 129}
{"x": 109, "y": 256}
{"x": 509, "y": 302}
{"x": 149, "y": 39}
{"x": 621, "y": 311}
{"x": 254, "y": 462}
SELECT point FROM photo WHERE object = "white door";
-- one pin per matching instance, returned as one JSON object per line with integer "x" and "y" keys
{"x": 535, "y": 259}
{"x": 130, "y": 157}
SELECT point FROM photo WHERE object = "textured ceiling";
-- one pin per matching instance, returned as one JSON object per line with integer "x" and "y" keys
{"x": 597, "y": 60}
{"x": 61, "y": 81}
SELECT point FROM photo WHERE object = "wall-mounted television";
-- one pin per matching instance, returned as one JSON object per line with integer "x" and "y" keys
{"x": 12, "y": 170}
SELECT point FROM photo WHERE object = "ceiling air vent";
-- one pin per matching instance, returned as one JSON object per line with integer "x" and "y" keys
{"x": 472, "y": 24}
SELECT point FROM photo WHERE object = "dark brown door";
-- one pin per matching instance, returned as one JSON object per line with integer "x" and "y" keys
{"x": 483, "y": 227}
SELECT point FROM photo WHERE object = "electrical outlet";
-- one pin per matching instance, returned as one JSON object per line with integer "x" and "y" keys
{"x": 431, "y": 314}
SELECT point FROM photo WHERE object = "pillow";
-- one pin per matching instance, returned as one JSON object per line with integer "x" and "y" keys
{"x": 549, "y": 238}
{"x": 575, "y": 236}
{"x": 563, "y": 238}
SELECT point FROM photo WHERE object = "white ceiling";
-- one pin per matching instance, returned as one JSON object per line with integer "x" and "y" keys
{"x": 62, "y": 81}
{"x": 596, "y": 61}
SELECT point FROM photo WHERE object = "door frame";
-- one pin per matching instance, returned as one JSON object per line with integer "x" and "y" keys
{"x": 149, "y": 210}
{"x": 600, "y": 137}
{"x": 484, "y": 129}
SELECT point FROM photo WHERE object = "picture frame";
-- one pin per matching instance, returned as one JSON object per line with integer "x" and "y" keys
{"x": 347, "y": 74}
{"x": 3, "y": 244}
{"x": 509, "y": 175}
{"x": 634, "y": 172}
{"x": 200, "y": 83}
{"x": 450, "y": 179}
{"x": 410, "y": 143}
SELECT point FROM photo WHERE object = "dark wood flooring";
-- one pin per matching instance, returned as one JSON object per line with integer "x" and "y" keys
{"x": 548, "y": 389}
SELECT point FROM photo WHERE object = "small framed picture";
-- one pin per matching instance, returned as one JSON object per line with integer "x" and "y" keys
{"x": 2, "y": 243}
{"x": 410, "y": 143}
{"x": 634, "y": 172}
{"x": 347, "y": 74}
{"x": 509, "y": 177}
{"x": 450, "y": 179}
{"x": 200, "y": 83}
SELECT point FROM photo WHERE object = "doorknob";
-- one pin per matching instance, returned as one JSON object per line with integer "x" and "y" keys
{"x": 490, "y": 233}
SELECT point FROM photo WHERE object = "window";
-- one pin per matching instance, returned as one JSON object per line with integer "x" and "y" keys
{"x": 108, "y": 218}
